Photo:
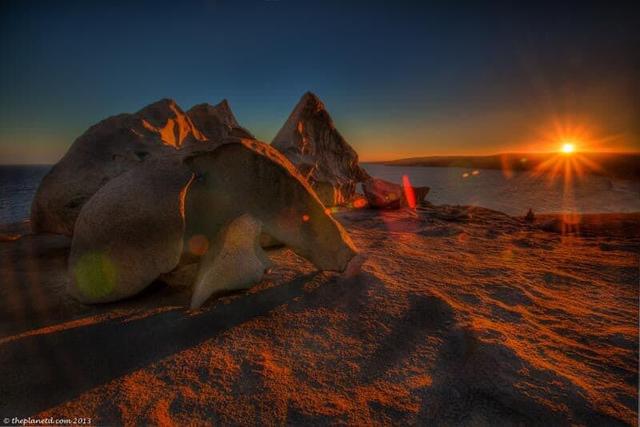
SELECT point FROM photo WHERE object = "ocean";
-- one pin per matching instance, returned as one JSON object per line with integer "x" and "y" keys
{"x": 516, "y": 193}
{"x": 18, "y": 184}
{"x": 513, "y": 195}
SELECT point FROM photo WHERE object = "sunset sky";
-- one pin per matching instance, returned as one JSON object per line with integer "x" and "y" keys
{"x": 400, "y": 79}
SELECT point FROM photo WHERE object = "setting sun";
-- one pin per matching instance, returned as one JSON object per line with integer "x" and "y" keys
{"x": 568, "y": 147}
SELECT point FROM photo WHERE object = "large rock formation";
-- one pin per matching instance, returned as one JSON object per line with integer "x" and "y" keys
{"x": 205, "y": 208}
{"x": 106, "y": 150}
{"x": 129, "y": 232}
{"x": 118, "y": 144}
{"x": 149, "y": 195}
{"x": 248, "y": 176}
{"x": 310, "y": 141}
{"x": 217, "y": 122}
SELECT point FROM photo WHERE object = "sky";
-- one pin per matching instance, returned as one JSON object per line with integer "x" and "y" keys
{"x": 400, "y": 78}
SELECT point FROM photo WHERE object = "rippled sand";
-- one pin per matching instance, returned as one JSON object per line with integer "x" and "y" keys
{"x": 460, "y": 316}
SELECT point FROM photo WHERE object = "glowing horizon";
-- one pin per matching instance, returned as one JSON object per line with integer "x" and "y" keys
{"x": 44, "y": 154}
{"x": 514, "y": 151}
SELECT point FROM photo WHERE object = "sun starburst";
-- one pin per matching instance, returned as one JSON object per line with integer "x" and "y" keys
{"x": 568, "y": 147}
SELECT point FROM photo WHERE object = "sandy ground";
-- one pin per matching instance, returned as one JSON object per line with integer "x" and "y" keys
{"x": 461, "y": 316}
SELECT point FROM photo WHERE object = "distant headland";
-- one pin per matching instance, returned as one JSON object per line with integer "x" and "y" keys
{"x": 614, "y": 165}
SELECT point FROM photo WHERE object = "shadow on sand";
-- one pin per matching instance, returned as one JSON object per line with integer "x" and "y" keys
{"x": 41, "y": 371}
{"x": 473, "y": 382}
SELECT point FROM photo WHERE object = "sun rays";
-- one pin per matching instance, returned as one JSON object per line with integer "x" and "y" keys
{"x": 568, "y": 165}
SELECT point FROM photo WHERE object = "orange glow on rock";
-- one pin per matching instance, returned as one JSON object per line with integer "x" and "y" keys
{"x": 198, "y": 244}
{"x": 183, "y": 195}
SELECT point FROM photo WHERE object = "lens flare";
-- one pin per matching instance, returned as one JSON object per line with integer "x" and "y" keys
{"x": 95, "y": 274}
{"x": 409, "y": 194}
{"x": 359, "y": 203}
{"x": 567, "y": 166}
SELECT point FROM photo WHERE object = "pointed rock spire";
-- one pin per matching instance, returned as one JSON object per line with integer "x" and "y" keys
{"x": 310, "y": 141}
{"x": 217, "y": 122}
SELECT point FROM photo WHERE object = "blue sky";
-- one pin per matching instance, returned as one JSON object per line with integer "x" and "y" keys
{"x": 400, "y": 78}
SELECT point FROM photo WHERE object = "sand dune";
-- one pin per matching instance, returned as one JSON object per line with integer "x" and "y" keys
{"x": 460, "y": 316}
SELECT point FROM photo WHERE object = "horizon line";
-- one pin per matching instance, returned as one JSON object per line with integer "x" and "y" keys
{"x": 637, "y": 152}
{"x": 422, "y": 156}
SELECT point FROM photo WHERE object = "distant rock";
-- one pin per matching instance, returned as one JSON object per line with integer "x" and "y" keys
{"x": 105, "y": 151}
{"x": 530, "y": 216}
{"x": 217, "y": 122}
{"x": 383, "y": 194}
{"x": 553, "y": 225}
{"x": 420, "y": 194}
{"x": 311, "y": 142}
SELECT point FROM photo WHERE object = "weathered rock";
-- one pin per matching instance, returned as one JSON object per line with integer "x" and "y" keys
{"x": 103, "y": 152}
{"x": 130, "y": 232}
{"x": 383, "y": 194}
{"x": 249, "y": 177}
{"x": 116, "y": 145}
{"x": 217, "y": 122}
{"x": 311, "y": 142}
{"x": 420, "y": 194}
{"x": 234, "y": 261}
{"x": 172, "y": 213}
